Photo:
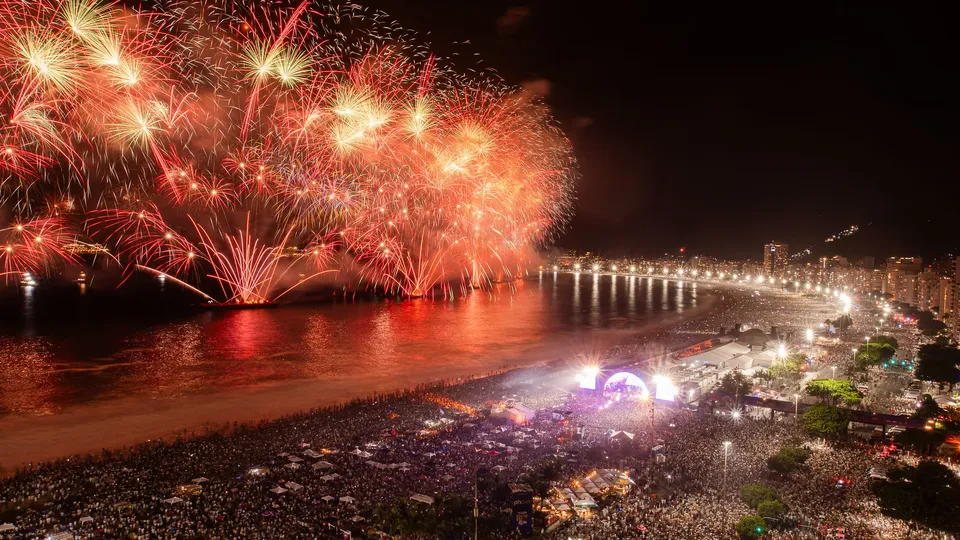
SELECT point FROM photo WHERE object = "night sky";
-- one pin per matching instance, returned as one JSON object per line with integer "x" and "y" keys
{"x": 720, "y": 126}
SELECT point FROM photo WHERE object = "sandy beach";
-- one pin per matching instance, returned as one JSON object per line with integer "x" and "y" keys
{"x": 116, "y": 422}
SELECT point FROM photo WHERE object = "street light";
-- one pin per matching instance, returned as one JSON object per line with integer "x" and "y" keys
{"x": 810, "y": 335}
{"x": 854, "y": 351}
{"x": 796, "y": 404}
{"x": 726, "y": 450}
{"x": 834, "y": 368}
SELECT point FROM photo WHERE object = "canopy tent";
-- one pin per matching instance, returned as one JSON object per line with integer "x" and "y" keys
{"x": 278, "y": 490}
{"x": 86, "y": 519}
{"x": 59, "y": 536}
{"x": 173, "y": 500}
{"x": 7, "y": 527}
{"x": 327, "y": 498}
{"x": 200, "y": 480}
{"x": 295, "y": 459}
{"x": 498, "y": 468}
{"x": 360, "y": 453}
{"x": 292, "y": 465}
{"x": 311, "y": 454}
{"x": 329, "y": 477}
{"x": 425, "y": 499}
{"x": 357, "y": 519}
{"x": 446, "y": 478}
{"x": 323, "y": 465}
{"x": 293, "y": 486}
{"x": 347, "y": 499}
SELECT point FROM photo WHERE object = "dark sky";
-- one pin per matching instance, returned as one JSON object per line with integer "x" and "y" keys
{"x": 722, "y": 125}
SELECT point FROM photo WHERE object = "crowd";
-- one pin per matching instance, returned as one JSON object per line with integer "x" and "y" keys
{"x": 326, "y": 472}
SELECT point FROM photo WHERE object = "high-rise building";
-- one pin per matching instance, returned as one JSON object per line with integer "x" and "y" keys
{"x": 775, "y": 258}
{"x": 945, "y": 300}
{"x": 912, "y": 265}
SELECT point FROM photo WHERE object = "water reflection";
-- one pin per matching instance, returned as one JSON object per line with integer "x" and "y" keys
{"x": 210, "y": 351}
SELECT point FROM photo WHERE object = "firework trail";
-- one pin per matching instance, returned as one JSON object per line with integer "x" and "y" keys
{"x": 211, "y": 141}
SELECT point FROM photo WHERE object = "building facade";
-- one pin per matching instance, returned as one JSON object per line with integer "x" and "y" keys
{"x": 775, "y": 258}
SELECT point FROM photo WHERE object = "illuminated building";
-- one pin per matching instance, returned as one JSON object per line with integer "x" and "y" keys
{"x": 775, "y": 258}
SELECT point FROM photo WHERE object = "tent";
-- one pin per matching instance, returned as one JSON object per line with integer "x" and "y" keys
{"x": 60, "y": 536}
{"x": 278, "y": 490}
{"x": 173, "y": 500}
{"x": 295, "y": 459}
{"x": 323, "y": 465}
{"x": 347, "y": 499}
{"x": 327, "y": 498}
{"x": 200, "y": 480}
{"x": 421, "y": 498}
{"x": 498, "y": 468}
{"x": 446, "y": 478}
{"x": 7, "y": 527}
{"x": 292, "y": 465}
{"x": 360, "y": 453}
{"x": 311, "y": 454}
{"x": 357, "y": 519}
{"x": 293, "y": 486}
{"x": 86, "y": 519}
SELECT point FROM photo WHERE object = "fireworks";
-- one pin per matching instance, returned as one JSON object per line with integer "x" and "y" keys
{"x": 210, "y": 142}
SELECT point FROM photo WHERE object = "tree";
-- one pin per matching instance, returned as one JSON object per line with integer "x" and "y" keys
{"x": 751, "y": 527}
{"x": 873, "y": 354}
{"x": 938, "y": 364}
{"x": 788, "y": 459}
{"x": 927, "y": 493}
{"x": 922, "y": 441}
{"x": 934, "y": 328}
{"x": 789, "y": 368}
{"x": 885, "y": 340}
{"x": 735, "y": 383}
{"x": 825, "y": 420}
{"x": 929, "y": 408}
{"x": 763, "y": 375}
{"x": 842, "y": 322}
{"x": 836, "y": 391}
{"x": 754, "y": 494}
{"x": 771, "y": 509}
{"x": 781, "y": 464}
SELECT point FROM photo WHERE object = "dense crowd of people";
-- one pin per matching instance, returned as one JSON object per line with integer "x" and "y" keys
{"x": 326, "y": 472}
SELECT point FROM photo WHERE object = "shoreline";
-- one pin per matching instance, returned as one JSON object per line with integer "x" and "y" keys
{"x": 122, "y": 422}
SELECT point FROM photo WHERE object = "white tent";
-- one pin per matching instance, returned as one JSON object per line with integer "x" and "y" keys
{"x": 446, "y": 478}
{"x": 311, "y": 454}
{"x": 278, "y": 490}
{"x": 323, "y": 465}
{"x": 86, "y": 519}
{"x": 357, "y": 519}
{"x": 200, "y": 480}
{"x": 295, "y": 459}
{"x": 330, "y": 477}
{"x": 292, "y": 465}
{"x": 7, "y": 527}
{"x": 499, "y": 468}
{"x": 360, "y": 453}
{"x": 327, "y": 498}
{"x": 347, "y": 499}
{"x": 293, "y": 486}
{"x": 173, "y": 500}
{"x": 60, "y": 536}
{"x": 421, "y": 498}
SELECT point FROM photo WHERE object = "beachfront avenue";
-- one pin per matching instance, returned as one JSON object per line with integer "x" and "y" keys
{"x": 531, "y": 450}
